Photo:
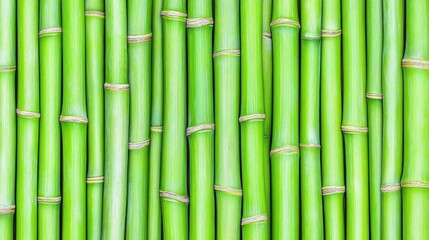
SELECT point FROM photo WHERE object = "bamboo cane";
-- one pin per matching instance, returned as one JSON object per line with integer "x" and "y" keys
{"x": 139, "y": 74}
{"x": 28, "y": 119}
{"x": 49, "y": 192}
{"x": 392, "y": 85}
{"x": 311, "y": 182}
{"x": 94, "y": 34}
{"x": 354, "y": 123}
{"x": 173, "y": 189}
{"x": 226, "y": 60}
{"x": 7, "y": 118}
{"x": 284, "y": 148}
{"x": 332, "y": 141}
{"x": 415, "y": 177}
{"x": 74, "y": 121}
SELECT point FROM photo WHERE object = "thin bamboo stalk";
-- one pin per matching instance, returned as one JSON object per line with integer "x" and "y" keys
{"x": 284, "y": 147}
{"x": 310, "y": 170}
{"x": 226, "y": 60}
{"x": 332, "y": 140}
{"x": 415, "y": 177}
{"x": 74, "y": 121}
{"x": 49, "y": 189}
{"x": 354, "y": 123}
{"x": 139, "y": 75}
{"x": 28, "y": 119}
{"x": 392, "y": 84}
{"x": 94, "y": 34}
{"x": 7, "y": 117}
{"x": 173, "y": 189}
{"x": 116, "y": 107}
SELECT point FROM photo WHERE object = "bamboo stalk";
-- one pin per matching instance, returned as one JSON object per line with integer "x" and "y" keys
{"x": 331, "y": 107}
{"x": 310, "y": 170}
{"x": 49, "y": 190}
{"x": 139, "y": 74}
{"x": 415, "y": 176}
{"x": 354, "y": 123}
{"x": 173, "y": 189}
{"x": 28, "y": 119}
{"x": 226, "y": 60}
{"x": 7, "y": 118}
{"x": 94, "y": 33}
{"x": 74, "y": 121}
{"x": 392, "y": 84}
{"x": 116, "y": 107}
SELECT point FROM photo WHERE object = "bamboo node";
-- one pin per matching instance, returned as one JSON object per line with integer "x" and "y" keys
{"x": 47, "y": 31}
{"x": 99, "y": 179}
{"x": 390, "y": 188}
{"x": 174, "y": 14}
{"x": 354, "y": 129}
{"x": 415, "y": 184}
{"x": 415, "y": 63}
{"x": 285, "y": 21}
{"x": 309, "y": 145}
{"x": 6, "y": 210}
{"x": 49, "y": 199}
{"x": 95, "y": 14}
{"x": 138, "y": 145}
{"x": 174, "y": 196}
{"x": 156, "y": 128}
{"x": 200, "y": 127}
{"x": 73, "y": 119}
{"x": 266, "y": 35}
{"x": 116, "y": 86}
{"x": 139, "y": 38}
{"x": 331, "y": 33}
{"x": 333, "y": 190}
{"x": 199, "y": 22}
{"x": 227, "y": 53}
{"x": 285, "y": 149}
{"x": 28, "y": 114}
{"x": 254, "y": 219}
{"x": 231, "y": 190}
{"x": 374, "y": 95}
{"x": 256, "y": 116}
{"x": 7, "y": 68}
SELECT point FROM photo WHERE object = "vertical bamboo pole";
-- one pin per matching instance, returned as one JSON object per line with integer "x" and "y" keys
{"x": 7, "y": 117}
{"x": 392, "y": 84}
{"x": 49, "y": 192}
{"x": 74, "y": 121}
{"x": 28, "y": 119}
{"x": 173, "y": 189}
{"x": 354, "y": 123}
{"x": 226, "y": 60}
{"x": 415, "y": 177}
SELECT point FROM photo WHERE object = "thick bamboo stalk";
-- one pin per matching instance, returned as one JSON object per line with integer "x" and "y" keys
{"x": 310, "y": 170}
{"x": 226, "y": 60}
{"x": 392, "y": 85}
{"x": 284, "y": 148}
{"x": 331, "y": 107}
{"x": 28, "y": 119}
{"x": 415, "y": 178}
{"x": 116, "y": 107}
{"x": 7, "y": 118}
{"x": 354, "y": 123}
{"x": 94, "y": 34}
{"x": 139, "y": 75}
{"x": 74, "y": 121}
{"x": 49, "y": 189}
{"x": 173, "y": 189}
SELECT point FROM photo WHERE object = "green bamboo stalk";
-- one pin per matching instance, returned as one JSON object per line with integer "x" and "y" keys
{"x": 284, "y": 147}
{"x": 28, "y": 119}
{"x": 94, "y": 34}
{"x": 310, "y": 170}
{"x": 415, "y": 178}
{"x": 374, "y": 39}
{"x": 226, "y": 60}
{"x": 331, "y": 107}
{"x": 173, "y": 189}
{"x": 154, "y": 204}
{"x": 354, "y": 123}
{"x": 392, "y": 84}
{"x": 7, "y": 117}
{"x": 74, "y": 121}
{"x": 255, "y": 212}
{"x": 49, "y": 189}
{"x": 116, "y": 108}
{"x": 139, "y": 75}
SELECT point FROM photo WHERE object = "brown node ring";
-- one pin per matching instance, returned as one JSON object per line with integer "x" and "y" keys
{"x": 254, "y": 219}
{"x": 174, "y": 196}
